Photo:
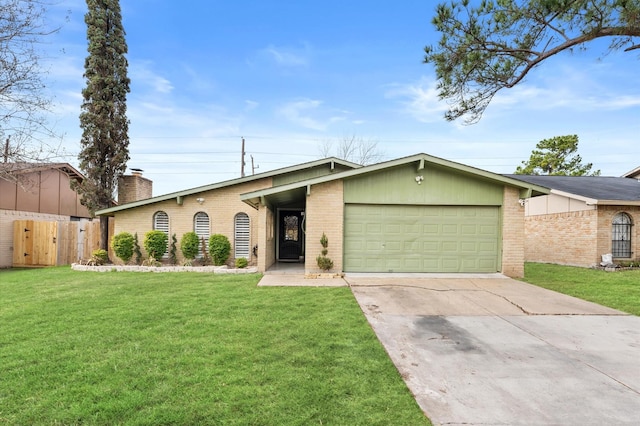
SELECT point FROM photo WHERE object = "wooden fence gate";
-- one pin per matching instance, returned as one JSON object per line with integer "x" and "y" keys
{"x": 38, "y": 243}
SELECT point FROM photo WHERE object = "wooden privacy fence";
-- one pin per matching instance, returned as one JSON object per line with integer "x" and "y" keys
{"x": 39, "y": 243}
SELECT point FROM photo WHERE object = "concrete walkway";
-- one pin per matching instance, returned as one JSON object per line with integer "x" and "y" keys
{"x": 489, "y": 350}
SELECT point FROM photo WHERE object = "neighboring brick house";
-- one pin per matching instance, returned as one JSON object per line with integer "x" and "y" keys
{"x": 583, "y": 218}
{"x": 40, "y": 192}
{"x": 412, "y": 214}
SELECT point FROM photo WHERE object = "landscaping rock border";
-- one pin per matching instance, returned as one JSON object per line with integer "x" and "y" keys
{"x": 164, "y": 268}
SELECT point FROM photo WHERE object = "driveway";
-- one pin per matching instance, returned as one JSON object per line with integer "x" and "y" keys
{"x": 489, "y": 350}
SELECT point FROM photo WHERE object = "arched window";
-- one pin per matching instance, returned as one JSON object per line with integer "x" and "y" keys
{"x": 202, "y": 230}
{"x": 242, "y": 236}
{"x": 621, "y": 236}
{"x": 161, "y": 223}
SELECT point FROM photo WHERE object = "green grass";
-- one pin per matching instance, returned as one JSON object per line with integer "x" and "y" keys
{"x": 618, "y": 290}
{"x": 188, "y": 348}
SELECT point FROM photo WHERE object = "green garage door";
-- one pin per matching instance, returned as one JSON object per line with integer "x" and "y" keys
{"x": 383, "y": 238}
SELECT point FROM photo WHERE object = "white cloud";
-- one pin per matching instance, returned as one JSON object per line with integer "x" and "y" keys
{"x": 592, "y": 87}
{"x": 420, "y": 99}
{"x": 250, "y": 105}
{"x": 298, "y": 112}
{"x": 141, "y": 72}
{"x": 287, "y": 56}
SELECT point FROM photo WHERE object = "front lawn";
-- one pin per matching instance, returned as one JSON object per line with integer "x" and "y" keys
{"x": 618, "y": 290}
{"x": 188, "y": 348}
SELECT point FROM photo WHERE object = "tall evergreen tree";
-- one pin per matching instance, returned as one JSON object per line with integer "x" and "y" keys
{"x": 103, "y": 119}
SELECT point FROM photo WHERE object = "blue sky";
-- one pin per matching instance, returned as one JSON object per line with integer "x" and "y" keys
{"x": 290, "y": 75}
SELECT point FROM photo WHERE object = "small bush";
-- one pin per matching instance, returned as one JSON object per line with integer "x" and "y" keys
{"x": 241, "y": 262}
{"x": 123, "y": 245}
{"x": 324, "y": 263}
{"x": 155, "y": 243}
{"x": 99, "y": 257}
{"x": 219, "y": 249}
{"x": 189, "y": 244}
{"x": 205, "y": 253}
{"x": 136, "y": 250}
{"x": 173, "y": 258}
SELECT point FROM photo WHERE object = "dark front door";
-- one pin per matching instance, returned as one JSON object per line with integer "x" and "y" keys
{"x": 290, "y": 238}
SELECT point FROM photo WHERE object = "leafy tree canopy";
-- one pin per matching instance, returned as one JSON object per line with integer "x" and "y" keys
{"x": 556, "y": 156}
{"x": 493, "y": 44}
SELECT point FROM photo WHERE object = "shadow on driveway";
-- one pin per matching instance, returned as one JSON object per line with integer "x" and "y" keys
{"x": 495, "y": 351}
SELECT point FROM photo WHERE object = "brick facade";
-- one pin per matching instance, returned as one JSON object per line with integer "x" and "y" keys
{"x": 221, "y": 205}
{"x": 576, "y": 238}
{"x": 513, "y": 235}
{"x": 325, "y": 213}
{"x": 134, "y": 188}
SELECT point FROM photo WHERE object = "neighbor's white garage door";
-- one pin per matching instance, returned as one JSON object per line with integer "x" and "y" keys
{"x": 383, "y": 238}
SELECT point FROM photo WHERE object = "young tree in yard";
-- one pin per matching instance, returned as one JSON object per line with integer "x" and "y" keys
{"x": 103, "y": 119}
{"x": 23, "y": 127}
{"x": 493, "y": 44}
{"x": 556, "y": 156}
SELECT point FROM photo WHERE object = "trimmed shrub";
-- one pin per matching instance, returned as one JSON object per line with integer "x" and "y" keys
{"x": 241, "y": 262}
{"x": 173, "y": 257}
{"x": 99, "y": 257}
{"x": 324, "y": 263}
{"x": 219, "y": 249}
{"x": 122, "y": 245}
{"x": 136, "y": 249}
{"x": 189, "y": 244}
{"x": 155, "y": 243}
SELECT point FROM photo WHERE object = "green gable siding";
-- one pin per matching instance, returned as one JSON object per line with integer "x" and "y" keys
{"x": 310, "y": 173}
{"x": 440, "y": 186}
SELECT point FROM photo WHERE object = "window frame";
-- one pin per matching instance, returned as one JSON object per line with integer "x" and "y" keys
{"x": 621, "y": 236}
{"x": 242, "y": 236}
{"x": 198, "y": 232}
{"x": 157, "y": 227}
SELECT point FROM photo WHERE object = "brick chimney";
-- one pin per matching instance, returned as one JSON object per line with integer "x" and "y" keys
{"x": 134, "y": 187}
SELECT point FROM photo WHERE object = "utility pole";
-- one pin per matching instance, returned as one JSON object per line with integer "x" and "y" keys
{"x": 242, "y": 160}
{"x": 253, "y": 168}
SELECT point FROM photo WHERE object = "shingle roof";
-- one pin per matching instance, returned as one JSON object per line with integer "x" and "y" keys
{"x": 594, "y": 187}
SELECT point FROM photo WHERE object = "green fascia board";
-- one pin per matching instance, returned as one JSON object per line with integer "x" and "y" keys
{"x": 332, "y": 161}
{"x": 253, "y": 198}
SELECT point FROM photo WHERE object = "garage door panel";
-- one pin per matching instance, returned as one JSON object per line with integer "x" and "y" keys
{"x": 421, "y": 238}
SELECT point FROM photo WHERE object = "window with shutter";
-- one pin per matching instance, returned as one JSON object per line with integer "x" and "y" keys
{"x": 242, "y": 236}
{"x": 202, "y": 230}
{"x": 161, "y": 223}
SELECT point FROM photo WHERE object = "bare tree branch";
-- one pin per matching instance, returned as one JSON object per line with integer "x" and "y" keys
{"x": 24, "y": 131}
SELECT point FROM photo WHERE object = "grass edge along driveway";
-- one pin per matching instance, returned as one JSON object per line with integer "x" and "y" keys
{"x": 618, "y": 290}
{"x": 188, "y": 348}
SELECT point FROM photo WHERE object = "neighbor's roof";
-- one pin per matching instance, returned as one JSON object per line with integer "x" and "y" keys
{"x": 421, "y": 160}
{"x": 634, "y": 174}
{"x": 591, "y": 189}
{"x": 218, "y": 185}
{"x": 22, "y": 168}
